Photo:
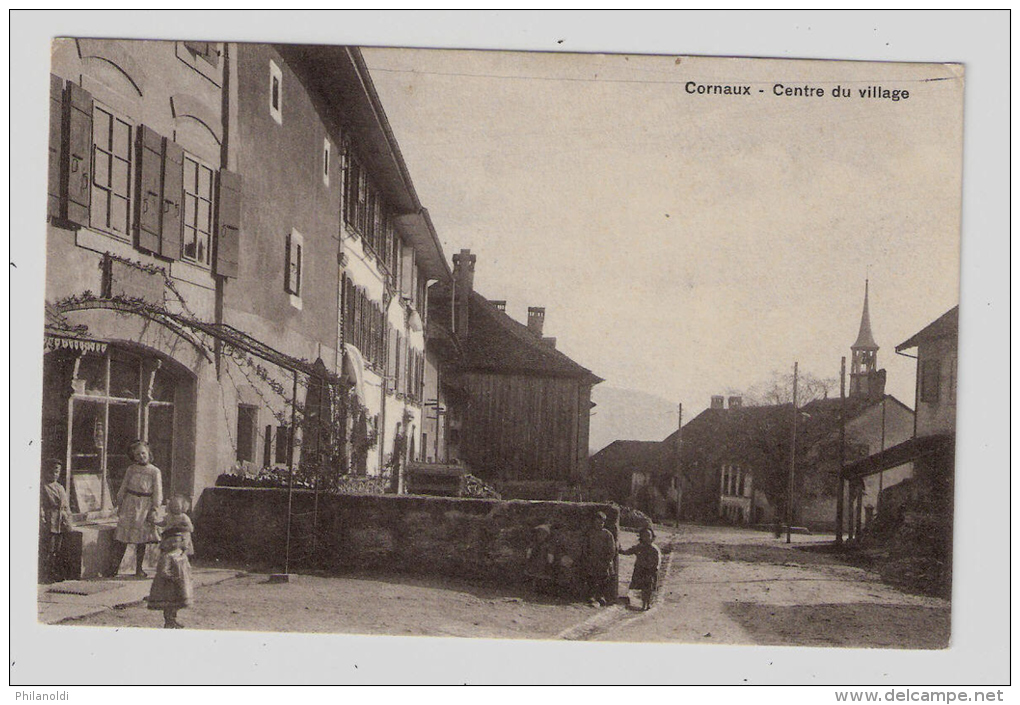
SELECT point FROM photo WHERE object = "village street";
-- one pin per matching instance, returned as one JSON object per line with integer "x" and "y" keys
{"x": 718, "y": 586}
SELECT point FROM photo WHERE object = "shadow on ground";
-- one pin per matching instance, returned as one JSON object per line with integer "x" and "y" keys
{"x": 848, "y": 625}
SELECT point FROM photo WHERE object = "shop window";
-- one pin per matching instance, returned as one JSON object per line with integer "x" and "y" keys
{"x": 111, "y": 172}
{"x": 275, "y": 92}
{"x": 117, "y": 396}
{"x": 198, "y": 206}
{"x": 247, "y": 429}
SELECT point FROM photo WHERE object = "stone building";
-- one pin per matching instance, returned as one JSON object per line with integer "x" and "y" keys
{"x": 234, "y": 248}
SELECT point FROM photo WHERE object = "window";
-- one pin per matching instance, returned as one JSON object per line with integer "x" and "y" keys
{"x": 929, "y": 391}
{"x": 326, "y": 150}
{"x": 247, "y": 425}
{"x": 275, "y": 92}
{"x": 282, "y": 445}
{"x": 198, "y": 203}
{"x": 116, "y": 396}
{"x": 111, "y": 172}
{"x": 952, "y": 379}
{"x": 294, "y": 262}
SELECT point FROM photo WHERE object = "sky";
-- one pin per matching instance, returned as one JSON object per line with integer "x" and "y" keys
{"x": 686, "y": 245}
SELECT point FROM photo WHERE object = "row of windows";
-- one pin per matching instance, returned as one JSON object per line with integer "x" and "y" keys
{"x": 733, "y": 482}
{"x": 364, "y": 323}
{"x": 126, "y": 180}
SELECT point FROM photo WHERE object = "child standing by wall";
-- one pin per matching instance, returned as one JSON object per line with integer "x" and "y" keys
{"x": 599, "y": 562}
{"x": 55, "y": 516}
{"x": 172, "y": 588}
{"x": 648, "y": 558}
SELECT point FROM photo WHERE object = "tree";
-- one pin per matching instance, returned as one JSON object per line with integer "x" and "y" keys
{"x": 778, "y": 389}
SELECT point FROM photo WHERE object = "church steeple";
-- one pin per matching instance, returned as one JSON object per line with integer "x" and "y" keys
{"x": 866, "y": 380}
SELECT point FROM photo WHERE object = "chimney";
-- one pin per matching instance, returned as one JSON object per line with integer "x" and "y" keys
{"x": 551, "y": 342}
{"x": 718, "y": 401}
{"x": 536, "y": 319}
{"x": 463, "y": 287}
{"x": 736, "y": 402}
{"x": 500, "y": 305}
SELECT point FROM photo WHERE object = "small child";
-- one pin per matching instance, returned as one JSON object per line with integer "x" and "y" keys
{"x": 646, "y": 566}
{"x": 172, "y": 588}
{"x": 177, "y": 519}
{"x": 55, "y": 516}
{"x": 540, "y": 561}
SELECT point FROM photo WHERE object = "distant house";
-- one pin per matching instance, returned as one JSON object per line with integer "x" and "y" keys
{"x": 639, "y": 474}
{"x": 726, "y": 456}
{"x": 515, "y": 409}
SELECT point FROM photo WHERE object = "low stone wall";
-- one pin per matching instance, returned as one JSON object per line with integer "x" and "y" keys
{"x": 482, "y": 540}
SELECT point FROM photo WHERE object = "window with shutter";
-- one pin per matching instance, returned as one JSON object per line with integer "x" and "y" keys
{"x": 292, "y": 278}
{"x": 55, "y": 145}
{"x": 111, "y": 172}
{"x": 173, "y": 190}
{"x": 197, "y": 221}
{"x": 150, "y": 156}
{"x": 77, "y": 170}
{"x": 228, "y": 246}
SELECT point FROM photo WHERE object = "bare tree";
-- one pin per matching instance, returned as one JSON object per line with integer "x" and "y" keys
{"x": 778, "y": 389}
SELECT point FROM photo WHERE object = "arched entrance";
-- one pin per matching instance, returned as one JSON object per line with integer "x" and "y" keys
{"x": 97, "y": 400}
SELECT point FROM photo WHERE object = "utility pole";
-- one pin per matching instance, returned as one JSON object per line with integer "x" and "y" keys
{"x": 679, "y": 458}
{"x": 793, "y": 459}
{"x": 842, "y": 451}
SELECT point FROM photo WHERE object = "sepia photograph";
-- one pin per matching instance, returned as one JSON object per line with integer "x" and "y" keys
{"x": 543, "y": 346}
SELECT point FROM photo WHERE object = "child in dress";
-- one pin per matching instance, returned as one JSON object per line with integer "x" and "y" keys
{"x": 172, "y": 588}
{"x": 55, "y": 514}
{"x": 177, "y": 519}
{"x": 648, "y": 558}
{"x": 140, "y": 494}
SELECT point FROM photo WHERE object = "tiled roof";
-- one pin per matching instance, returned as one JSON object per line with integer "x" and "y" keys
{"x": 496, "y": 342}
{"x": 945, "y": 326}
{"x": 631, "y": 456}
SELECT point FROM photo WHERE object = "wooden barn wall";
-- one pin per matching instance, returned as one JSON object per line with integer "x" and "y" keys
{"x": 518, "y": 427}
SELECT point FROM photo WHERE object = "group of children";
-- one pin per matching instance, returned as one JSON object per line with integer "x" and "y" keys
{"x": 141, "y": 520}
{"x": 544, "y": 560}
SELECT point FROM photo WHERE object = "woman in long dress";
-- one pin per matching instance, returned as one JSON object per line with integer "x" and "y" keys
{"x": 140, "y": 494}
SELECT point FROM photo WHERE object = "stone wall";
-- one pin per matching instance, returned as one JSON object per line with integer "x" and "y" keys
{"x": 481, "y": 540}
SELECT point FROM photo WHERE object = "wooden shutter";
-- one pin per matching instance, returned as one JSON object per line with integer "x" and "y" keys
{"x": 56, "y": 144}
{"x": 228, "y": 218}
{"x": 150, "y": 167}
{"x": 78, "y": 167}
{"x": 173, "y": 200}
{"x": 288, "y": 245}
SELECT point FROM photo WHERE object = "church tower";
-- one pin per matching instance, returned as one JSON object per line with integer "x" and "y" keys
{"x": 866, "y": 380}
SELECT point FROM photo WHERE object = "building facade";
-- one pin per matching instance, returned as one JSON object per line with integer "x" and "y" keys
{"x": 234, "y": 250}
{"x": 515, "y": 409}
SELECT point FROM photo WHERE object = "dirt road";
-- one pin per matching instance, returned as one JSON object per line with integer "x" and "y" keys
{"x": 720, "y": 586}
{"x": 731, "y": 586}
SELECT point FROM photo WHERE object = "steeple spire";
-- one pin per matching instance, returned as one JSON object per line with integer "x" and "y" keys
{"x": 865, "y": 340}
{"x": 866, "y": 380}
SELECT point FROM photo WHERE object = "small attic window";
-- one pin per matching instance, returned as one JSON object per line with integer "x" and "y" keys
{"x": 275, "y": 92}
